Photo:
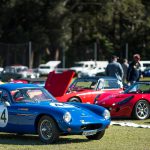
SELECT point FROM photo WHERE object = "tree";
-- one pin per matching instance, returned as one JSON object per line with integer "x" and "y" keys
{"x": 74, "y": 28}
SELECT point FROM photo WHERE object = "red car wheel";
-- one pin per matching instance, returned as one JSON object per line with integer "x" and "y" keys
{"x": 141, "y": 110}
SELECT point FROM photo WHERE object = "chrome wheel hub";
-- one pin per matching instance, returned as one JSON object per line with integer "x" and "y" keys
{"x": 46, "y": 129}
{"x": 142, "y": 110}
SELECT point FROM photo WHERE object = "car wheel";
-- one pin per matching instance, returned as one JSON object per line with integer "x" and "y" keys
{"x": 74, "y": 99}
{"x": 96, "y": 136}
{"x": 141, "y": 110}
{"x": 48, "y": 130}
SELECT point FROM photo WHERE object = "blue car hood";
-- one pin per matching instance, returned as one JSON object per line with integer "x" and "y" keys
{"x": 78, "y": 112}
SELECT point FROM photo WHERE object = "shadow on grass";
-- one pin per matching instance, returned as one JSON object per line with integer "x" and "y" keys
{"x": 127, "y": 118}
{"x": 122, "y": 119}
{"x": 146, "y": 121}
{"x": 13, "y": 139}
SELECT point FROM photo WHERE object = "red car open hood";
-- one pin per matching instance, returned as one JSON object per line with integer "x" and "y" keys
{"x": 57, "y": 83}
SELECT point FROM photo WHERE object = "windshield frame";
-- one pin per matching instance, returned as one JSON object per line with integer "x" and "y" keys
{"x": 127, "y": 91}
{"x": 25, "y": 97}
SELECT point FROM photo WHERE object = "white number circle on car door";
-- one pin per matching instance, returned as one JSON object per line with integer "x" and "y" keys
{"x": 3, "y": 116}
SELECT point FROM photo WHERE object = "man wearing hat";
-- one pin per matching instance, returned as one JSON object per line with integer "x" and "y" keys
{"x": 134, "y": 70}
{"x": 114, "y": 68}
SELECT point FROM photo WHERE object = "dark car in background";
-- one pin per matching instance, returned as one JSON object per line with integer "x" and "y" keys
{"x": 17, "y": 72}
{"x": 146, "y": 72}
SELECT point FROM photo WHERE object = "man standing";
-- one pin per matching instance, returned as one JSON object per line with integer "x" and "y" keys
{"x": 114, "y": 68}
{"x": 134, "y": 70}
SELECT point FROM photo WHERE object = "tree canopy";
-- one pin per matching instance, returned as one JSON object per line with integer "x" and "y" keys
{"x": 73, "y": 29}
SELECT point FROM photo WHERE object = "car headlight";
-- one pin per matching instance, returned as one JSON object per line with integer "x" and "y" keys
{"x": 67, "y": 117}
{"x": 106, "y": 114}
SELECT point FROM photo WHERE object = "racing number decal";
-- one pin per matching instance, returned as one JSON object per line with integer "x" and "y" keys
{"x": 3, "y": 116}
{"x": 61, "y": 105}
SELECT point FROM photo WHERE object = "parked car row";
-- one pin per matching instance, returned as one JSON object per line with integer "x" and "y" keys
{"x": 100, "y": 90}
{"x": 81, "y": 68}
{"x": 104, "y": 91}
{"x": 18, "y": 71}
{"x": 91, "y": 102}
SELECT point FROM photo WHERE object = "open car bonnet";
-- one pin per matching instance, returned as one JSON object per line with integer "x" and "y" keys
{"x": 57, "y": 83}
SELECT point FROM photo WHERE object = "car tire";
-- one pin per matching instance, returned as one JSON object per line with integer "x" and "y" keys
{"x": 96, "y": 136}
{"x": 141, "y": 110}
{"x": 48, "y": 130}
{"x": 74, "y": 99}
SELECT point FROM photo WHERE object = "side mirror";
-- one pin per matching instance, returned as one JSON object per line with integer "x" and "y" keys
{"x": 6, "y": 103}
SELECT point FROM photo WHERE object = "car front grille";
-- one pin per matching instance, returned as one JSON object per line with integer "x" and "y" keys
{"x": 91, "y": 126}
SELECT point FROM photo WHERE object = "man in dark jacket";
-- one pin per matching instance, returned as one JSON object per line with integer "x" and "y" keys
{"x": 134, "y": 70}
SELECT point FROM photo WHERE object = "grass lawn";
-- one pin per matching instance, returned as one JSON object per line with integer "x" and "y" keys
{"x": 145, "y": 79}
{"x": 115, "y": 138}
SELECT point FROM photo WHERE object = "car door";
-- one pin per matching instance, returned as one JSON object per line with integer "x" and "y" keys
{"x": 14, "y": 117}
{"x": 8, "y": 121}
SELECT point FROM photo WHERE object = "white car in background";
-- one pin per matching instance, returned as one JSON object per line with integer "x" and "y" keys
{"x": 144, "y": 64}
{"x": 89, "y": 68}
{"x": 82, "y": 67}
{"x": 45, "y": 69}
{"x": 94, "y": 72}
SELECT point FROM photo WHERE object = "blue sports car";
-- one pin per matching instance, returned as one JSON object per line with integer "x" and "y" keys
{"x": 30, "y": 109}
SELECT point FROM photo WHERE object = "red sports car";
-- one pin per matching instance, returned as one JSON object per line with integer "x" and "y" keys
{"x": 82, "y": 89}
{"x": 133, "y": 102}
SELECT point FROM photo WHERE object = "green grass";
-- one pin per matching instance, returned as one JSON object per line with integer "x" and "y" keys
{"x": 115, "y": 138}
{"x": 145, "y": 79}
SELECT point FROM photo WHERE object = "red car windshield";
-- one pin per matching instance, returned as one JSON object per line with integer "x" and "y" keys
{"x": 139, "y": 87}
{"x": 95, "y": 84}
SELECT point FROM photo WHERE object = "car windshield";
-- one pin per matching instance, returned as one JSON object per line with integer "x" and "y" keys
{"x": 139, "y": 88}
{"x": 21, "y": 69}
{"x": 109, "y": 84}
{"x": 95, "y": 84}
{"x": 84, "y": 84}
{"x": 45, "y": 67}
{"x": 12, "y": 69}
{"x": 9, "y": 69}
{"x": 31, "y": 95}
